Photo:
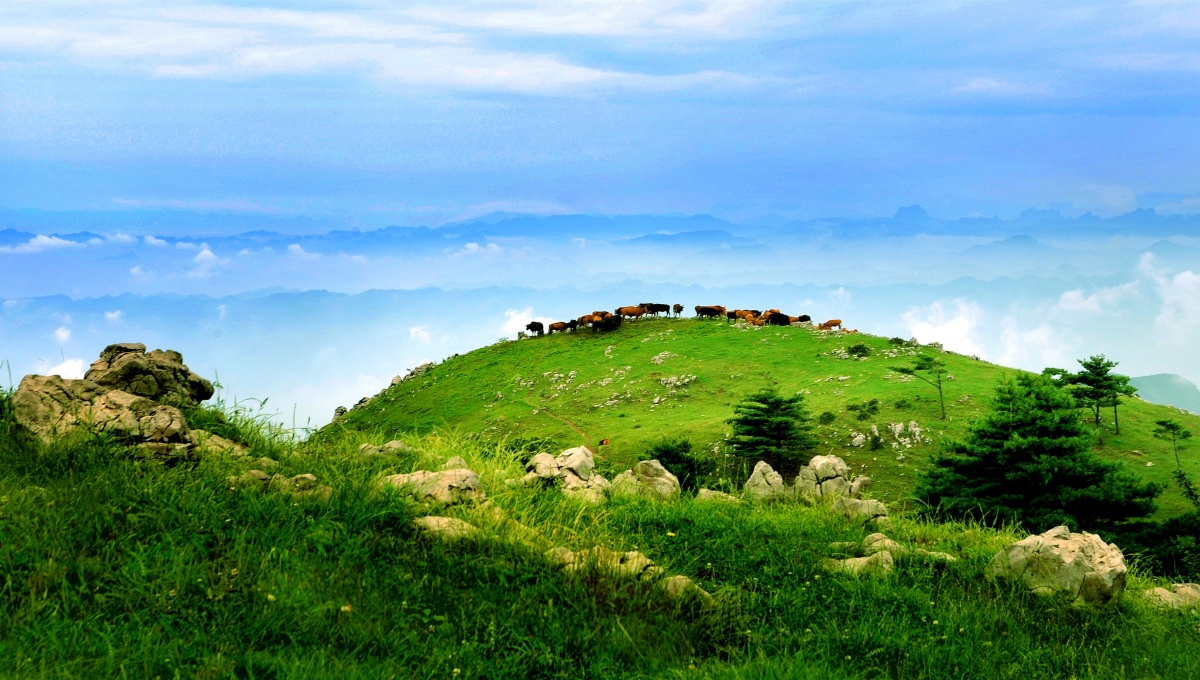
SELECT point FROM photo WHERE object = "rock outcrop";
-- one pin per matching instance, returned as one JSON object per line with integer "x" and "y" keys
{"x": 826, "y": 479}
{"x": 128, "y": 392}
{"x": 877, "y": 543}
{"x": 720, "y": 496}
{"x": 1178, "y": 596}
{"x": 445, "y": 487}
{"x": 860, "y": 510}
{"x": 1079, "y": 566}
{"x": 648, "y": 479}
{"x": 765, "y": 484}
{"x": 574, "y": 470}
{"x": 445, "y": 528}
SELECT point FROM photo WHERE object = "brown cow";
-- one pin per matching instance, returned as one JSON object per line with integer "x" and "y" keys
{"x": 634, "y": 312}
{"x": 583, "y": 321}
{"x": 830, "y": 325}
{"x": 847, "y": 330}
{"x": 600, "y": 316}
{"x": 560, "y": 326}
{"x": 678, "y": 309}
{"x": 709, "y": 311}
{"x": 748, "y": 314}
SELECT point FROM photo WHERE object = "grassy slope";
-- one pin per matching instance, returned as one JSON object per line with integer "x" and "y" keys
{"x": 115, "y": 567}
{"x": 464, "y": 392}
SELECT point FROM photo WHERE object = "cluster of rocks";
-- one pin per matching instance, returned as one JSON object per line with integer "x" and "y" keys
{"x": 457, "y": 485}
{"x": 128, "y": 392}
{"x": 826, "y": 479}
{"x": 573, "y": 471}
{"x": 877, "y": 555}
{"x": 298, "y": 486}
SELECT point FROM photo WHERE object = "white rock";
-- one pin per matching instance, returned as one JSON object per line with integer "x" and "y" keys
{"x": 765, "y": 484}
{"x": 1080, "y": 566}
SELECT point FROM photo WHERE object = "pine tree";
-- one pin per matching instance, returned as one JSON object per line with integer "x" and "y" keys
{"x": 1096, "y": 386}
{"x": 934, "y": 369}
{"x": 1172, "y": 431}
{"x": 771, "y": 426}
{"x": 1030, "y": 461}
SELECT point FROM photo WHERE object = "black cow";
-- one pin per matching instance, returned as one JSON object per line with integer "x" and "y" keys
{"x": 611, "y": 323}
{"x": 535, "y": 327}
{"x": 803, "y": 317}
{"x": 731, "y": 315}
{"x": 777, "y": 319}
{"x": 678, "y": 309}
{"x": 655, "y": 308}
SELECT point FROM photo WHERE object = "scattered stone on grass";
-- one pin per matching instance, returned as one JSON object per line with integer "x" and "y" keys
{"x": 711, "y": 495}
{"x": 860, "y": 510}
{"x": 445, "y": 487}
{"x": 826, "y": 479}
{"x": 1177, "y": 596}
{"x": 445, "y": 528}
{"x": 648, "y": 479}
{"x": 877, "y": 564}
{"x": 682, "y": 589}
{"x": 573, "y": 470}
{"x": 1079, "y": 566}
{"x": 765, "y": 484}
{"x": 390, "y": 448}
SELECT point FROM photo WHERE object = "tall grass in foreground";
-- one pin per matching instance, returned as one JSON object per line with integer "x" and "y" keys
{"x": 118, "y": 566}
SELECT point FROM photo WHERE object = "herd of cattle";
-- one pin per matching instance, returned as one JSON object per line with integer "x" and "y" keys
{"x": 606, "y": 321}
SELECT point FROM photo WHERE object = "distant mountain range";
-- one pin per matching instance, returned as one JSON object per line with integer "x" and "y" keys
{"x": 1168, "y": 388}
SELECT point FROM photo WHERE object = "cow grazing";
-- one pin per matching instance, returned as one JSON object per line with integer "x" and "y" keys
{"x": 560, "y": 326}
{"x": 709, "y": 311}
{"x": 535, "y": 327}
{"x": 678, "y": 309}
{"x": 830, "y": 325}
{"x": 611, "y": 323}
{"x": 654, "y": 308}
{"x": 748, "y": 314}
{"x": 777, "y": 319}
{"x": 633, "y": 312}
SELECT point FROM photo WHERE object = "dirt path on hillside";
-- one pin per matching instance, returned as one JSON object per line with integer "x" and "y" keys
{"x": 542, "y": 409}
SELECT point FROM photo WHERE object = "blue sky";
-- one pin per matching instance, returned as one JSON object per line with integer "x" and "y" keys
{"x": 419, "y": 113}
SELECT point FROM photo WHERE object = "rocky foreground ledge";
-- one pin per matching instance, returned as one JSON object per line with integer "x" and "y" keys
{"x": 136, "y": 395}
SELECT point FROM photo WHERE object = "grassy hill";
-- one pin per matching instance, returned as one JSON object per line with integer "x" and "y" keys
{"x": 583, "y": 388}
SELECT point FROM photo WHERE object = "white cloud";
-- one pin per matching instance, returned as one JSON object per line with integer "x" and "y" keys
{"x": 296, "y": 251}
{"x": 420, "y": 334}
{"x": 206, "y": 263}
{"x": 1077, "y": 301}
{"x": 1178, "y": 320}
{"x": 70, "y": 369}
{"x": 475, "y": 248}
{"x": 432, "y": 46}
{"x": 185, "y": 245}
{"x": 1187, "y": 206}
{"x": 62, "y": 334}
{"x": 139, "y": 272}
{"x": 115, "y": 315}
{"x": 221, "y": 310}
{"x": 516, "y": 320}
{"x": 152, "y": 241}
{"x": 1001, "y": 88}
{"x": 39, "y": 244}
{"x": 120, "y": 237}
{"x": 954, "y": 327}
{"x": 841, "y": 295}
{"x": 1032, "y": 348}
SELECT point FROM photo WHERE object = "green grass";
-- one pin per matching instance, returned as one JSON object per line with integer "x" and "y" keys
{"x": 115, "y": 566}
{"x": 728, "y": 362}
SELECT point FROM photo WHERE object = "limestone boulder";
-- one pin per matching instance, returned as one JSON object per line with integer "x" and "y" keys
{"x": 648, "y": 479}
{"x": 573, "y": 470}
{"x": 447, "y": 487}
{"x": 717, "y": 496}
{"x": 251, "y": 479}
{"x": 301, "y": 486}
{"x": 48, "y": 405}
{"x": 826, "y": 479}
{"x": 445, "y": 528}
{"x": 209, "y": 443}
{"x": 631, "y": 564}
{"x": 683, "y": 589}
{"x": 859, "y": 510}
{"x": 393, "y": 447}
{"x": 454, "y": 462}
{"x": 1177, "y": 596}
{"x": 159, "y": 375}
{"x": 765, "y": 484}
{"x": 878, "y": 564}
{"x": 1081, "y": 567}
